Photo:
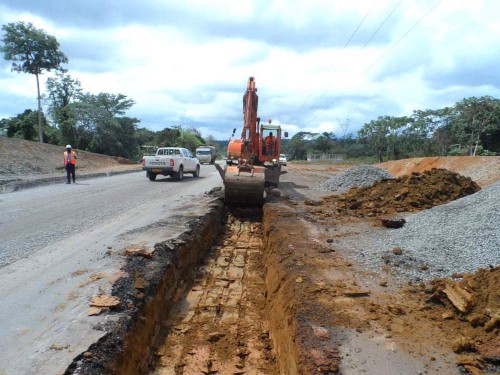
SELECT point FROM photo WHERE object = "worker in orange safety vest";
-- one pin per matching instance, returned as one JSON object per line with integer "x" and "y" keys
{"x": 270, "y": 144}
{"x": 70, "y": 157}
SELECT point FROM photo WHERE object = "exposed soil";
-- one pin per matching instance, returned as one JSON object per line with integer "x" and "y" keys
{"x": 221, "y": 328}
{"x": 416, "y": 191}
{"x": 364, "y": 315}
{"x": 278, "y": 297}
{"x": 484, "y": 170}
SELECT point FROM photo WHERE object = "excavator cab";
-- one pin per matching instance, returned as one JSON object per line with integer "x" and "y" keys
{"x": 270, "y": 143}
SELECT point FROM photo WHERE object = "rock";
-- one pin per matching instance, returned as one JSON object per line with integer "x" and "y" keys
{"x": 215, "y": 336}
{"x": 383, "y": 283}
{"x": 397, "y": 250}
{"x": 473, "y": 360}
{"x": 105, "y": 301}
{"x": 464, "y": 344}
{"x": 447, "y": 315}
{"x": 477, "y": 320}
{"x": 94, "y": 311}
{"x": 396, "y": 310}
{"x": 459, "y": 297}
{"x": 473, "y": 370}
{"x": 491, "y": 324}
{"x": 393, "y": 223}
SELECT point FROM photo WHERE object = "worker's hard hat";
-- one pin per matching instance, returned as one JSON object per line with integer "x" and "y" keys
{"x": 68, "y": 146}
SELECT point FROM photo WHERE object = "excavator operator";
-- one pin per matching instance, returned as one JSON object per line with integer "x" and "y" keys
{"x": 270, "y": 142}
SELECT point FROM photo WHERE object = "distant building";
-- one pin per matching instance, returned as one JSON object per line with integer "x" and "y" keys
{"x": 337, "y": 158}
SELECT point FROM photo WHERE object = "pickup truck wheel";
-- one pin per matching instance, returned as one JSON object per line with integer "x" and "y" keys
{"x": 180, "y": 175}
{"x": 151, "y": 176}
{"x": 196, "y": 173}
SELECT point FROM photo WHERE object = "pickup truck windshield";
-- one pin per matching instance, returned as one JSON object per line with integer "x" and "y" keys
{"x": 203, "y": 152}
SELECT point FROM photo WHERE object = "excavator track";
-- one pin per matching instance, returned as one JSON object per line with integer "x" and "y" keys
{"x": 220, "y": 327}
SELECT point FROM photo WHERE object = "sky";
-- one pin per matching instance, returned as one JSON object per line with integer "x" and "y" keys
{"x": 319, "y": 65}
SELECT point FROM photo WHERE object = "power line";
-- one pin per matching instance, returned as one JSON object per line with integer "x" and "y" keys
{"x": 294, "y": 116}
{"x": 317, "y": 102}
{"x": 386, "y": 52}
{"x": 382, "y": 24}
{"x": 361, "y": 23}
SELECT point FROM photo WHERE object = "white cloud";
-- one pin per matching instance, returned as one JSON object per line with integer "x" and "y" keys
{"x": 188, "y": 62}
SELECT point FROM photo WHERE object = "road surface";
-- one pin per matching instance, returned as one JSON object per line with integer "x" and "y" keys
{"x": 62, "y": 244}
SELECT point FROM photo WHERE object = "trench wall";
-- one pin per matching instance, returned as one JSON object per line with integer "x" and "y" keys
{"x": 155, "y": 285}
{"x": 292, "y": 310}
{"x": 148, "y": 295}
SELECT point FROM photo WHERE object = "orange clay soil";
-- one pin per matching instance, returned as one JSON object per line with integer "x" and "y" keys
{"x": 335, "y": 309}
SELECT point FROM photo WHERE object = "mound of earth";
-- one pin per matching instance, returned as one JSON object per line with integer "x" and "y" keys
{"x": 413, "y": 192}
{"x": 471, "y": 303}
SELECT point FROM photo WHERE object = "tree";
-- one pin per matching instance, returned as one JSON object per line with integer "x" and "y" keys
{"x": 190, "y": 139}
{"x": 99, "y": 128}
{"x": 32, "y": 51}
{"x": 23, "y": 125}
{"x": 375, "y": 134}
{"x": 344, "y": 126}
{"x": 297, "y": 147}
{"x": 475, "y": 117}
{"x": 62, "y": 91}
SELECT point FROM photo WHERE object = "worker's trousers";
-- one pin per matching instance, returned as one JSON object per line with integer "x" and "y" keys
{"x": 70, "y": 171}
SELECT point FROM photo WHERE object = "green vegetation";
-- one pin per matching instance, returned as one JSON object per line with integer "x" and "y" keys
{"x": 31, "y": 51}
{"x": 470, "y": 127}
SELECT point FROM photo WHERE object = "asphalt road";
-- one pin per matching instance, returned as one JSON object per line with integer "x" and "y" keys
{"x": 62, "y": 244}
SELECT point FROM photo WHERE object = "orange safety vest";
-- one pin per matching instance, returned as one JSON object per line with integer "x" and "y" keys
{"x": 69, "y": 158}
{"x": 270, "y": 139}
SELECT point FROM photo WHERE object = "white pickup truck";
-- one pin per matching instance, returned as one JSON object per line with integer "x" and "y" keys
{"x": 171, "y": 161}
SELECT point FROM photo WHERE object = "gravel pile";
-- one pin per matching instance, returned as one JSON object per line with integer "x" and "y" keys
{"x": 459, "y": 237}
{"x": 358, "y": 176}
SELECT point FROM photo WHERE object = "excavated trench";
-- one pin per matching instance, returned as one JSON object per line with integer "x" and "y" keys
{"x": 196, "y": 305}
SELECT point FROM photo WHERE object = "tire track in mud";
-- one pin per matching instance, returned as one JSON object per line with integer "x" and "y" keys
{"x": 220, "y": 326}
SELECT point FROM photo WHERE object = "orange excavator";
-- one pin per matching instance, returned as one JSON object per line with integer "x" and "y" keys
{"x": 252, "y": 161}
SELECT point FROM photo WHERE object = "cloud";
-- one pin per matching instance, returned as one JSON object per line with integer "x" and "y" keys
{"x": 315, "y": 62}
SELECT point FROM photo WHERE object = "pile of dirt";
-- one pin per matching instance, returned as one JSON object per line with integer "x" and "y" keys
{"x": 413, "y": 192}
{"x": 470, "y": 303}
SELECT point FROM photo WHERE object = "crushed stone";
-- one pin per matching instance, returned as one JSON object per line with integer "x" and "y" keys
{"x": 458, "y": 237}
{"x": 358, "y": 176}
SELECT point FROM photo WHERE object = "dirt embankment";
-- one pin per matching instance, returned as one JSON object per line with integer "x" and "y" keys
{"x": 25, "y": 164}
{"x": 484, "y": 170}
{"x": 20, "y": 158}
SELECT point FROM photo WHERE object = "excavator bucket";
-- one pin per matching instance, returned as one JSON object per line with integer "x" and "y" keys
{"x": 244, "y": 187}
